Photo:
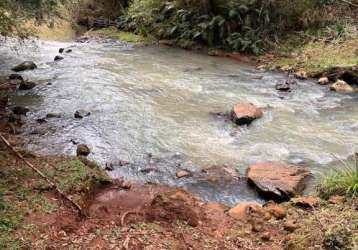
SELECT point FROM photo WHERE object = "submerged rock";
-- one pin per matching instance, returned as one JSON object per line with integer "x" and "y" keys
{"x": 283, "y": 87}
{"x": 245, "y": 113}
{"x": 68, "y": 51}
{"x": 82, "y": 113}
{"x": 58, "y": 58}
{"x": 83, "y": 150}
{"x": 27, "y": 65}
{"x": 53, "y": 115}
{"x": 341, "y": 86}
{"x": 61, "y": 50}
{"x": 27, "y": 85}
{"x": 276, "y": 180}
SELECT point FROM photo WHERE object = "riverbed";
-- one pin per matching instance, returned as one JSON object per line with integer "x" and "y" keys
{"x": 155, "y": 106}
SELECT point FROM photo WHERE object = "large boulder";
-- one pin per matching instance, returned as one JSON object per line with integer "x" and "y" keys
{"x": 27, "y": 65}
{"x": 276, "y": 180}
{"x": 341, "y": 86}
{"x": 245, "y": 113}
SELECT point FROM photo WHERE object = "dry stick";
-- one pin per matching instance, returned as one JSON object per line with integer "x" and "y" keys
{"x": 52, "y": 184}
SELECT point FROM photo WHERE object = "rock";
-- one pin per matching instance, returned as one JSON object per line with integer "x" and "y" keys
{"x": 283, "y": 87}
{"x": 61, "y": 50}
{"x": 266, "y": 236}
{"x": 337, "y": 199}
{"x": 82, "y": 113}
{"x": 83, "y": 150}
{"x": 213, "y": 52}
{"x": 18, "y": 110}
{"x": 41, "y": 120}
{"x": 183, "y": 173}
{"x": 53, "y": 115}
{"x": 58, "y": 58}
{"x": 306, "y": 201}
{"x": 27, "y": 65}
{"x": 261, "y": 67}
{"x": 27, "y": 85}
{"x": 301, "y": 74}
{"x": 323, "y": 81}
{"x": 276, "y": 211}
{"x": 290, "y": 226}
{"x": 245, "y": 113}
{"x": 341, "y": 86}
{"x": 16, "y": 77}
{"x": 277, "y": 180}
{"x": 68, "y": 51}
{"x": 245, "y": 210}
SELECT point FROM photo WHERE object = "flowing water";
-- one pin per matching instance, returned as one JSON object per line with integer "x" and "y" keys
{"x": 158, "y": 101}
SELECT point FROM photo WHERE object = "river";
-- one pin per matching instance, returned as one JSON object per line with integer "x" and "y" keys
{"x": 150, "y": 100}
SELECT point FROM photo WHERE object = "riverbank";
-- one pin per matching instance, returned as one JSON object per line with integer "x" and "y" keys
{"x": 123, "y": 215}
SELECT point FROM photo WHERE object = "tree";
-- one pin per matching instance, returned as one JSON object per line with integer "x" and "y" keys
{"x": 15, "y": 13}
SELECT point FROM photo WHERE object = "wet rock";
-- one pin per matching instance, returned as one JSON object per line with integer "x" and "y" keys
{"x": 245, "y": 113}
{"x": 306, "y": 201}
{"x": 49, "y": 83}
{"x": 283, "y": 87}
{"x": 245, "y": 210}
{"x": 290, "y": 226}
{"x": 109, "y": 167}
{"x": 341, "y": 86}
{"x": 277, "y": 180}
{"x": 82, "y": 113}
{"x": 27, "y": 85}
{"x": 323, "y": 81}
{"x": 41, "y": 120}
{"x": 183, "y": 173}
{"x": 223, "y": 174}
{"x": 16, "y": 77}
{"x": 68, "y": 51}
{"x": 301, "y": 74}
{"x": 58, "y": 58}
{"x": 262, "y": 67}
{"x": 83, "y": 150}
{"x": 27, "y": 65}
{"x": 61, "y": 50}
{"x": 53, "y": 115}
{"x": 19, "y": 110}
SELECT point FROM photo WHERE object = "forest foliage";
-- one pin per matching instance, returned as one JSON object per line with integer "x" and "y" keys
{"x": 240, "y": 25}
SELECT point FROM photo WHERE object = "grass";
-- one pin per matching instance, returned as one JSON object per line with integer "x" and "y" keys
{"x": 340, "y": 181}
{"x": 318, "y": 50}
{"x": 115, "y": 34}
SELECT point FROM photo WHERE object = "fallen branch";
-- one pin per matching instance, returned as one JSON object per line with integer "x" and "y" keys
{"x": 50, "y": 182}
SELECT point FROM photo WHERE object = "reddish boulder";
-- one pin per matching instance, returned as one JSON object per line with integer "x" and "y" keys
{"x": 246, "y": 210}
{"x": 277, "y": 180}
{"x": 245, "y": 113}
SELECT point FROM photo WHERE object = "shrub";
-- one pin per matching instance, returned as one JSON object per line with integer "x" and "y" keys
{"x": 240, "y": 25}
{"x": 340, "y": 181}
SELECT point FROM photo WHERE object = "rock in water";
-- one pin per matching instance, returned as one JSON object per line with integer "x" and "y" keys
{"x": 53, "y": 115}
{"x": 302, "y": 75}
{"x": 83, "y": 150}
{"x": 82, "y": 113}
{"x": 58, "y": 58}
{"x": 183, "y": 173}
{"x": 323, "y": 81}
{"x": 68, "y": 51}
{"x": 245, "y": 113}
{"x": 341, "y": 86}
{"x": 16, "y": 77}
{"x": 283, "y": 87}
{"x": 61, "y": 50}
{"x": 27, "y": 65}
{"x": 276, "y": 180}
{"x": 18, "y": 110}
{"x": 27, "y": 85}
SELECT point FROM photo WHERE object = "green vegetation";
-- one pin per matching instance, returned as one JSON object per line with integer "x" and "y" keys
{"x": 340, "y": 181}
{"x": 116, "y": 34}
{"x": 23, "y": 192}
{"x": 240, "y": 25}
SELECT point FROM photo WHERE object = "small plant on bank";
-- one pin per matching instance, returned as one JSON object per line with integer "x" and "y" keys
{"x": 340, "y": 181}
